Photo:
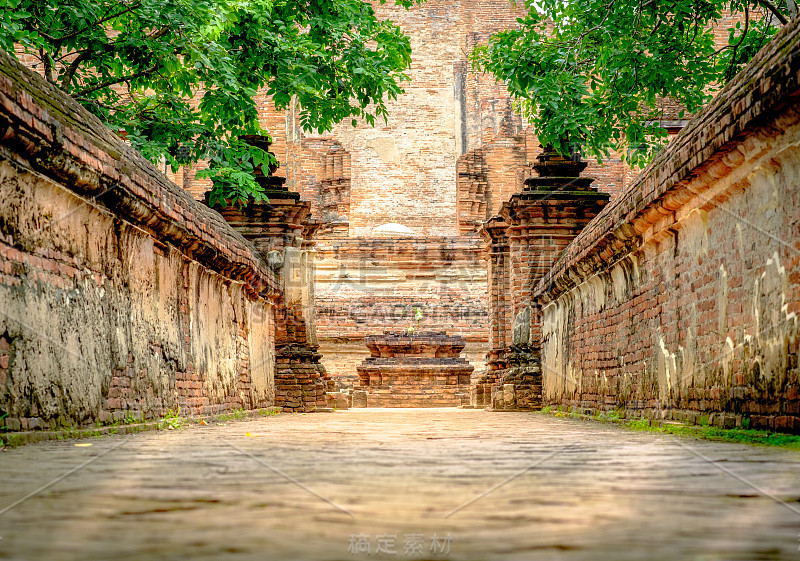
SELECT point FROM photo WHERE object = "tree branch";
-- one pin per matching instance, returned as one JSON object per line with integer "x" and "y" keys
{"x": 160, "y": 33}
{"x": 116, "y": 81}
{"x": 101, "y": 21}
{"x": 599, "y": 25}
{"x": 27, "y": 23}
{"x": 772, "y": 8}
{"x": 48, "y": 65}
{"x": 69, "y": 53}
{"x": 735, "y": 46}
{"x": 732, "y": 63}
{"x": 66, "y": 80}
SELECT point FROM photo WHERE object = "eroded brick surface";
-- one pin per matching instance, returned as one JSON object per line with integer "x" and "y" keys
{"x": 364, "y": 287}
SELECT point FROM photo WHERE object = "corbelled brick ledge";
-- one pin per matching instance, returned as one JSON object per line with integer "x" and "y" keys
{"x": 62, "y": 141}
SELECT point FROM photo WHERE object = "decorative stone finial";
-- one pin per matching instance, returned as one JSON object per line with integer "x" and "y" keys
{"x": 271, "y": 184}
{"x": 552, "y": 164}
{"x": 557, "y": 173}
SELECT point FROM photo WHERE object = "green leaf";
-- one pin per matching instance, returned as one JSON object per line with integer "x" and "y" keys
{"x": 190, "y": 70}
{"x": 592, "y": 72}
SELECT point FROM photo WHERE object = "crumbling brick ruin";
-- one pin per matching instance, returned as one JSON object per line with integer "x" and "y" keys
{"x": 417, "y": 369}
{"x": 670, "y": 294}
{"x": 523, "y": 241}
{"x": 281, "y": 231}
{"x": 453, "y": 152}
{"x": 122, "y": 298}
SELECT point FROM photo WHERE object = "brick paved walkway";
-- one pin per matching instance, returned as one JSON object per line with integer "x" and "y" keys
{"x": 575, "y": 490}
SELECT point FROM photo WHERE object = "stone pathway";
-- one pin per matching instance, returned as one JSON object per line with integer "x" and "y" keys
{"x": 329, "y": 486}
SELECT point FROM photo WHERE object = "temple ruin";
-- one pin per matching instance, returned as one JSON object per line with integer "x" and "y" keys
{"x": 668, "y": 294}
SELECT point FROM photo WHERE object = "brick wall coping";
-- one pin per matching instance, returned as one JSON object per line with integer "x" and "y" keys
{"x": 755, "y": 96}
{"x": 59, "y": 139}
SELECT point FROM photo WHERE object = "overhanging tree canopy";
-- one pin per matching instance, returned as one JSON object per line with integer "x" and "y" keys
{"x": 592, "y": 73}
{"x": 179, "y": 76}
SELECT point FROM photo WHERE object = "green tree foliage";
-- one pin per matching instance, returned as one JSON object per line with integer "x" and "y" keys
{"x": 179, "y": 76}
{"x": 594, "y": 72}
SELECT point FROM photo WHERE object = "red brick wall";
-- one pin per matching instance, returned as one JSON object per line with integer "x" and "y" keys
{"x": 680, "y": 299}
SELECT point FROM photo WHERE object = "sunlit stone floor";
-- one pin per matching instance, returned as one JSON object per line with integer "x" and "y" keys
{"x": 401, "y": 484}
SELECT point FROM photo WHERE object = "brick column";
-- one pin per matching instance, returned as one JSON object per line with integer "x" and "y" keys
{"x": 494, "y": 233}
{"x": 525, "y": 239}
{"x": 280, "y": 230}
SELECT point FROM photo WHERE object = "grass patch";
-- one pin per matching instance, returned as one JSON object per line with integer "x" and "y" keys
{"x": 172, "y": 420}
{"x": 235, "y": 415}
{"x": 239, "y": 414}
{"x": 270, "y": 411}
{"x": 702, "y": 430}
{"x": 738, "y": 436}
{"x": 11, "y": 441}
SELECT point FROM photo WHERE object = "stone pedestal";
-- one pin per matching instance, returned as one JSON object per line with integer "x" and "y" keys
{"x": 280, "y": 230}
{"x": 414, "y": 370}
{"x": 523, "y": 241}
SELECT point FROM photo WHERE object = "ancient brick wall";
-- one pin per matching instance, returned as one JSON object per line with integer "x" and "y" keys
{"x": 405, "y": 171}
{"x": 452, "y": 152}
{"x": 680, "y": 300}
{"x": 120, "y": 296}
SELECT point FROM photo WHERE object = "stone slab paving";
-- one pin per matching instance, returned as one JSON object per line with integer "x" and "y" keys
{"x": 399, "y": 481}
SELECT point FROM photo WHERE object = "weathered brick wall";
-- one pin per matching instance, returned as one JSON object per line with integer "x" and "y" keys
{"x": 680, "y": 299}
{"x": 409, "y": 170}
{"x": 120, "y": 296}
